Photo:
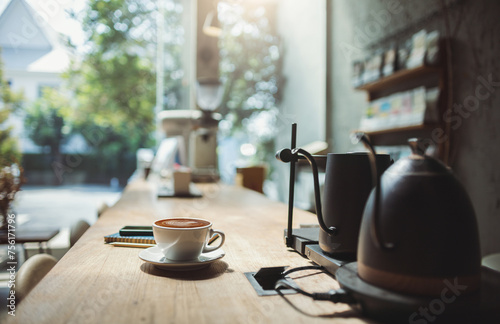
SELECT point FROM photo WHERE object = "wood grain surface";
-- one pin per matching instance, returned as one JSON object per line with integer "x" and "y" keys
{"x": 98, "y": 283}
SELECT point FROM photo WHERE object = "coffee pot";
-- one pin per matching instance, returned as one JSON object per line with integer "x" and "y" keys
{"x": 348, "y": 183}
{"x": 419, "y": 232}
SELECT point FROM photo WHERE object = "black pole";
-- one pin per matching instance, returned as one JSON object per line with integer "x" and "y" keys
{"x": 289, "y": 237}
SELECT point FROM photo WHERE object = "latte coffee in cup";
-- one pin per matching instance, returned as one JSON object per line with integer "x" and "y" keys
{"x": 182, "y": 222}
{"x": 182, "y": 239}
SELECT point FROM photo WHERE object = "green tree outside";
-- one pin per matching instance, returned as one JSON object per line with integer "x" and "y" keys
{"x": 11, "y": 174}
{"x": 9, "y": 103}
{"x": 114, "y": 82}
{"x": 47, "y": 121}
{"x": 250, "y": 64}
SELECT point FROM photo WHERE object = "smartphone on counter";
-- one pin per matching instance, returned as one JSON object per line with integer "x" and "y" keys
{"x": 136, "y": 230}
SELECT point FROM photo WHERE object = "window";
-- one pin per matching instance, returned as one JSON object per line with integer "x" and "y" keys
{"x": 43, "y": 86}
{"x": 174, "y": 58}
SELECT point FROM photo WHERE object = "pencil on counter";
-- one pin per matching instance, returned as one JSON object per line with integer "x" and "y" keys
{"x": 129, "y": 244}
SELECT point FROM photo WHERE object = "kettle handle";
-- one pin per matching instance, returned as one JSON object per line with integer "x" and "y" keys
{"x": 374, "y": 228}
{"x": 329, "y": 230}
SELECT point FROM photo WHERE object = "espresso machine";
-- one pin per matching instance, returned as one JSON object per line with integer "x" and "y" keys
{"x": 197, "y": 129}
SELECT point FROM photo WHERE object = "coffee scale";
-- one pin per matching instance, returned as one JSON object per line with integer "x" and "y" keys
{"x": 451, "y": 303}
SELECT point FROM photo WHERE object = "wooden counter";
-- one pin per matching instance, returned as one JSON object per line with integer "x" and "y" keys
{"x": 98, "y": 283}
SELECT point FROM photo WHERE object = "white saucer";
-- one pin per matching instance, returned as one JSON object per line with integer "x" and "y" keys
{"x": 154, "y": 256}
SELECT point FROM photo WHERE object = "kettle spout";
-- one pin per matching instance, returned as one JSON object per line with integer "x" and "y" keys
{"x": 303, "y": 153}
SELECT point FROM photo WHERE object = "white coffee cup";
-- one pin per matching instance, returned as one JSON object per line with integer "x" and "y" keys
{"x": 182, "y": 239}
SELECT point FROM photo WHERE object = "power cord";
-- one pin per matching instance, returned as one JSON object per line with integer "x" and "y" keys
{"x": 314, "y": 267}
{"x": 335, "y": 296}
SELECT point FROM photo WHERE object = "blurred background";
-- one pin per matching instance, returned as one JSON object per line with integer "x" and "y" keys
{"x": 90, "y": 90}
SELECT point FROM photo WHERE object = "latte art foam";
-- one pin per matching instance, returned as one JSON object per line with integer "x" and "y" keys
{"x": 182, "y": 223}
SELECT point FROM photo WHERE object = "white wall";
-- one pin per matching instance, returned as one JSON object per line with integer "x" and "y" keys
{"x": 301, "y": 26}
{"x": 30, "y": 82}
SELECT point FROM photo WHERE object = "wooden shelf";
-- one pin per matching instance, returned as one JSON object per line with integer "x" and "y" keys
{"x": 398, "y": 129}
{"x": 399, "y": 77}
{"x": 400, "y": 135}
{"x": 427, "y": 76}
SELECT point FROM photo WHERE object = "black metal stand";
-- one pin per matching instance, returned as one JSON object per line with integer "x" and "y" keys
{"x": 289, "y": 236}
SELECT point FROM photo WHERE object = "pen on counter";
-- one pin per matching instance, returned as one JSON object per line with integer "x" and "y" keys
{"x": 129, "y": 244}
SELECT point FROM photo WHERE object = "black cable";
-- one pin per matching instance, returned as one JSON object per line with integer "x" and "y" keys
{"x": 314, "y": 267}
{"x": 283, "y": 283}
{"x": 335, "y": 314}
{"x": 335, "y": 296}
{"x": 306, "y": 313}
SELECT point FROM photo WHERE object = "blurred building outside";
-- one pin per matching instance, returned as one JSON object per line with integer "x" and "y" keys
{"x": 34, "y": 56}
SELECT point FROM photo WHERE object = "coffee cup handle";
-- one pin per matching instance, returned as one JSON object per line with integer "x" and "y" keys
{"x": 212, "y": 232}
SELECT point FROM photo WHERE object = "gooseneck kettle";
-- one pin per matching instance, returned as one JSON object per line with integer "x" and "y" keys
{"x": 419, "y": 229}
{"x": 347, "y": 186}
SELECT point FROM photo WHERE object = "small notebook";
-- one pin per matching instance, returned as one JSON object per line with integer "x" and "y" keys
{"x": 129, "y": 239}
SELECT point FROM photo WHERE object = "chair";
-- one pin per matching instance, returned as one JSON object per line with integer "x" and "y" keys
{"x": 31, "y": 272}
{"x": 251, "y": 177}
{"x": 77, "y": 231}
{"x": 102, "y": 208}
